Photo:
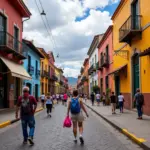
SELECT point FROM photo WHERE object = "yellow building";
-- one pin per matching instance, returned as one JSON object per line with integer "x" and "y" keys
{"x": 57, "y": 83}
{"x": 45, "y": 69}
{"x": 131, "y": 30}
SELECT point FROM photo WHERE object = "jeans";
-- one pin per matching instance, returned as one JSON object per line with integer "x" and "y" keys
{"x": 139, "y": 110}
{"x": 49, "y": 108}
{"x": 121, "y": 106}
{"x": 28, "y": 121}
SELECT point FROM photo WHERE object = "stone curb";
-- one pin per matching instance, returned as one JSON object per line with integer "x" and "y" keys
{"x": 124, "y": 131}
{"x": 9, "y": 122}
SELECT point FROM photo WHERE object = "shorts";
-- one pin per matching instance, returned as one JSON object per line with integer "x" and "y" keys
{"x": 77, "y": 117}
{"x": 42, "y": 100}
{"x": 98, "y": 100}
{"x": 65, "y": 100}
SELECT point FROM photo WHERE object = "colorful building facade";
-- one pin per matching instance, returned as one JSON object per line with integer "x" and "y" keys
{"x": 93, "y": 59}
{"x": 32, "y": 66}
{"x": 131, "y": 30}
{"x": 105, "y": 61}
{"x": 12, "y": 51}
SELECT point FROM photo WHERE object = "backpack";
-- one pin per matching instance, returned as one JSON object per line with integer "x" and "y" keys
{"x": 140, "y": 99}
{"x": 75, "y": 106}
{"x": 26, "y": 107}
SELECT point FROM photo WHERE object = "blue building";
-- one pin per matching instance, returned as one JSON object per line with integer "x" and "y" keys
{"x": 32, "y": 65}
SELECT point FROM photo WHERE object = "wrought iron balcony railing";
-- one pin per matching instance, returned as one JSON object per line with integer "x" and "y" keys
{"x": 10, "y": 44}
{"x": 130, "y": 28}
{"x": 105, "y": 61}
{"x": 31, "y": 70}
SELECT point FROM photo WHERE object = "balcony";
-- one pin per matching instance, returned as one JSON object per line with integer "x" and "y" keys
{"x": 54, "y": 78}
{"x": 105, "y": 61}
{"x": 90, "y": 71}
{"x": 37, "y": 73}
{"x": 130, "y": 29}
{"x": 61, "y": 82}
{"x": 99, "y": 66}
{"x": 84, "y": 78}
{"x": 94, "y": 68}
{"x": 42, "y": 74}
{"x": 31, "y": 70}
{"x": 11, "y": 45}
{"x": 46, "y": 74}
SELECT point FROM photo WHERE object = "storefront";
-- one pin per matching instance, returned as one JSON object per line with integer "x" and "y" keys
{"x": 11, "y": 75}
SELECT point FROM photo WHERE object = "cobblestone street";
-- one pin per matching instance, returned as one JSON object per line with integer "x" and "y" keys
{"x": 50, "y": 135}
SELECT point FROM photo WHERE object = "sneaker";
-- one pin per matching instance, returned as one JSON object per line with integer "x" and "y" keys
{"x": 81, "y": 140}
{"x": 75, "y": 141}
{"x": 31, "y": 141}
{"x": 25, "y": 142}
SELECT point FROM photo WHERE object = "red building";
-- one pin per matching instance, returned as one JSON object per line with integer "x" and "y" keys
{"x": 12, "y": 51}
{"x": 105, "y": 56}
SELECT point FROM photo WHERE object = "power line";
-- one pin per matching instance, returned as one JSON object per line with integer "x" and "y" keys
{"x": 48, "y": 25}
{"x": 43, "y": 21}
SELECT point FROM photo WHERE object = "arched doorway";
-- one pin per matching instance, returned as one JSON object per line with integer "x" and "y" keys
{"x": 136, "y": 73}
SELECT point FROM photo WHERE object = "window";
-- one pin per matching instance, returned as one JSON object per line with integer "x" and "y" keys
{"x": 16, "y": 36}
{"x": 107, "y": 82}
{"x": 95, "y": 83}
{"x": 2, "y": 28}
{"x": 29, "y": 61}
{"x": 101, "y": 85}
{"x": 42, "y": 66}
{"x": 36, "y": 67}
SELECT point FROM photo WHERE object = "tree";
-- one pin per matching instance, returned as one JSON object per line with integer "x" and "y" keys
{"x": 96, "y": 89}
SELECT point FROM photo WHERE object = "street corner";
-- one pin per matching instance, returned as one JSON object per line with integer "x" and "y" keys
{"x": 4, "y": 124}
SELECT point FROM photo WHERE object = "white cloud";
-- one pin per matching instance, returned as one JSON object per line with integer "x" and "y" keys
{"x": 72, "y": 38}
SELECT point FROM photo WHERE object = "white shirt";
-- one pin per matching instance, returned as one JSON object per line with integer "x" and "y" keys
{"x": 120, "y": 98}
{"x": 98, "y": 96}
{"x": 57, "y": 96}
{"x": 43, "y": 97}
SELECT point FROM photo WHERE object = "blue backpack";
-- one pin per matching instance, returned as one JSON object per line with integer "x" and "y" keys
{"x": 75, "y": 106}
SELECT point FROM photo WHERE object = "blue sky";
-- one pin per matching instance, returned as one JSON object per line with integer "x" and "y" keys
{"x": 110, "y": 8}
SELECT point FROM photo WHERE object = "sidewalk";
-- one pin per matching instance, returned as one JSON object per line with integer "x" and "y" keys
{"x": 127, "y": 123}
{"x": 10, "y": 115}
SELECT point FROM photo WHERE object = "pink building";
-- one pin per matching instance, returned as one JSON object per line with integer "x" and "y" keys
{"x": 12, "y": 51}
{"x": 105, "y": 57}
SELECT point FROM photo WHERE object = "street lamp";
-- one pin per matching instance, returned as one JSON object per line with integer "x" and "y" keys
{"x": 43, "y": 13}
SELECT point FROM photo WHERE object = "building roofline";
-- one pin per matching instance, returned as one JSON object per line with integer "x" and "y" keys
{"x": 93, "y": 42}
{"x": 32, "y": 46}
{"x": 117, "y": 9}
{"x": 110, "y": 28}
{"x": 85, "y": 61}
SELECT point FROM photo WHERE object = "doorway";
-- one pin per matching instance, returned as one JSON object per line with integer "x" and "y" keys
{"x": 29, "y": 85}
{"x": 136, "y": 74}
{"x": 36, "y": 91}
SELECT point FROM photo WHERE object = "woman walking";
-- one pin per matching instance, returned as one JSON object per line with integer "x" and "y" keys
{"x": 75, "y": 107}
{"x": 121, "y": 102}
{"x": 49, "y": 104}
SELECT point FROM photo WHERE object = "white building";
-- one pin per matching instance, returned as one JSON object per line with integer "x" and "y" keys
{"x": 93, "y": 59}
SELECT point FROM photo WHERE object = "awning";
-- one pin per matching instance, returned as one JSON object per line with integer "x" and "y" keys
{"x": 118, "y": 69}
{"x": 16, "y": 69}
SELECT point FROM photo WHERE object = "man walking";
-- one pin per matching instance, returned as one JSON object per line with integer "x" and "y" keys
{"x": 113, "y": 103}
{"x": 27, "y": 105}
{"x": 92, "y": 98}
{"x": 139, "y": 100}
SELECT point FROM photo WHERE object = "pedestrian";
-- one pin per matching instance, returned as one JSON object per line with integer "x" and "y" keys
{"x": 49, "y": 104}
{"x": 92, "y": 98}
{"x": 42, "y": 97}
{"x": 121, "y": 102}
{"x": 85, "y": 97}
{"x": 62, "y": 98}
{"x": 57, "y": 98}
{"x": 27, "y": 105}
{"x": 75, "y": 107}
{"x": 98, "y": 98}
{"x": 104, "y": 99}
{"x": 65, "y": 97}
{"x": 113, "y": 102}
{"x": 139, "y": 99}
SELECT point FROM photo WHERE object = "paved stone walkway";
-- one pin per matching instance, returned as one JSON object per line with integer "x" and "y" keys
{"x": 128, "y": 120}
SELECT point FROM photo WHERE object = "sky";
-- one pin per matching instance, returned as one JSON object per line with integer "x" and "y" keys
{"x": 72, "y": 24}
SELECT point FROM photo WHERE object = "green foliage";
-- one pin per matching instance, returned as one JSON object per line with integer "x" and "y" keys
{"x": 96, "y": 89}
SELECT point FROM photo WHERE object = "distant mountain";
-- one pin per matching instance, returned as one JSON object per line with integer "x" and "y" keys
{"x": 72, "y": 80}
